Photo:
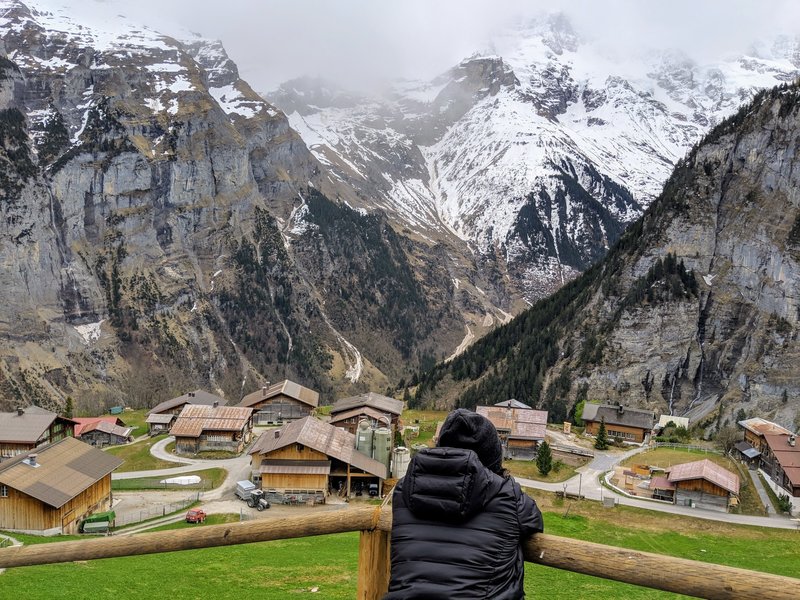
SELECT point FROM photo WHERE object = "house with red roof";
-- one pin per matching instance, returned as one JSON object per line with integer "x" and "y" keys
{"x": 781, "y": 461}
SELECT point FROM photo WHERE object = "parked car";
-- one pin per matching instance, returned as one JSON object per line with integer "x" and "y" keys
{"x": 195, "y": 515}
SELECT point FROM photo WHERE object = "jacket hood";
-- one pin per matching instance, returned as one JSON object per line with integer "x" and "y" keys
{"x": 448, "y": 484}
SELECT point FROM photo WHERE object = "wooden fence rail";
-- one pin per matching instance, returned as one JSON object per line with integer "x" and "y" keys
{"x": 655, "y": 571}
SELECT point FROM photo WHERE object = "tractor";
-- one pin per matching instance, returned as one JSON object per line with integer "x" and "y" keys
{"x": 257, "y": 500}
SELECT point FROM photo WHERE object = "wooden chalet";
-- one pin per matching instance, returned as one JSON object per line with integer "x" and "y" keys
{"x": 627, "y": 424}
{"x": 281, "y": 402}
{"x": 756, "y": 430}
{"x": 521, "y": 430}
{"x": 201, "y": 428}
{"x": 49, "y": 491}
{"x": 104, "y": 431}
{"x": 703, "y": 483}
{"x": 30, "y": 428}
{"x": 781, "y": 461}
{"x": 379, "y": 410}
{"x": 161, "y": 417}
{"x": 309, "y": 457}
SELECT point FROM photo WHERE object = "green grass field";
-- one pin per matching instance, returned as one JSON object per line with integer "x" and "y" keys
{"x": 137, "y": 456}
{"x": 135, "y": 419}
{"x": 281, "y": 569}
{"x": 209, "y": 479}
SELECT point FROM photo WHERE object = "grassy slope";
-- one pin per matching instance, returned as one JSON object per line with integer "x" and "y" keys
{"x": 276, "y": 570}
{"x": 137, "y": 456}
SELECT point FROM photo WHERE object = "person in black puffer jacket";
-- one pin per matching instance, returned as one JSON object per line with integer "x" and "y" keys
{"x": 459, "y": 519}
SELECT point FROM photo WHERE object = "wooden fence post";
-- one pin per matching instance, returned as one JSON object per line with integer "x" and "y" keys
{"x": 373, "y": 559}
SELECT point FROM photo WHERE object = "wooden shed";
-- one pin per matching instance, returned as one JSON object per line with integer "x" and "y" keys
{"x": 703, "y": 483}
{"x": 311, "y": 457}
{"x": 30, "y": 428}
{"x": 281, "y": 402}
{"x": 622, "y": 422}
{"x": 202, "y": 428}
{"x": 49, "y": 492}
{"x": 103, "y": 431}
{"x": 379, "y": 410}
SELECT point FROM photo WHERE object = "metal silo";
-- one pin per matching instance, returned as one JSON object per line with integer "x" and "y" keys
{"x": 400, "y": 459}
{"x": 364, "y": 436}
{"x": 382, "y": 440}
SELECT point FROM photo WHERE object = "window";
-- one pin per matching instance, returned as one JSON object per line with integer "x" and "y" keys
{"x": 3, "y": 491}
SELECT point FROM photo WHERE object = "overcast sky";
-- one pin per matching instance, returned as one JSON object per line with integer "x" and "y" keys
{"x": 362, "y": 41}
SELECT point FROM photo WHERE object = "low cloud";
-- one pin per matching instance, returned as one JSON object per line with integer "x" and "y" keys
{"x": 363, "y": 42}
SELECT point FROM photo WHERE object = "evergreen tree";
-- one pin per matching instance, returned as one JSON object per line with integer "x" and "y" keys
{"x": 544, "y": 459}
{"x": 69, "y": 407}
{"x": 601, "y": 443}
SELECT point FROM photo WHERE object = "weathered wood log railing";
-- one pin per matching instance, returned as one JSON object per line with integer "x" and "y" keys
{"x": 693, "y": 578}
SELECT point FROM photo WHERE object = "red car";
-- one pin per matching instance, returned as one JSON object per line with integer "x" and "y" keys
{"x": 196, "y": 515}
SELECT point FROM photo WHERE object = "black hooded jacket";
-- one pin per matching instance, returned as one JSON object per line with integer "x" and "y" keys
{"x": 457, "y": 528}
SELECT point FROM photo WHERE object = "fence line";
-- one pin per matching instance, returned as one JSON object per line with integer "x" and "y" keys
{"x": 688, "y": 447}
{"x": 667, "y": 573}
{"x": 153, "y": 512}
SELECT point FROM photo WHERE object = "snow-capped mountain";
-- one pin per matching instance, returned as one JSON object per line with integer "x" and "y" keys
{"x": 163, "y": 227}
{"x": 536, "y": 154}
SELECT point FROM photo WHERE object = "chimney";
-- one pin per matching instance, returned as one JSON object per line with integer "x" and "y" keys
{"x": 32, "y": 460}
{"x": 620, "y": 409}
{"x": 20, "y": 411}
{"x": 277, "y": 433}
{"x": 792, "y": 440}
{"x": 216, "y": 404}
{"x": 191, "y": 394}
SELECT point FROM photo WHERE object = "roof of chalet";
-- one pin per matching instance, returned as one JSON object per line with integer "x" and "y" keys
{"x": 788, "y": 457}
{"x": 65, "y": 469}
{"x": 619, "y": 415}
{"x": 520, "y": 423}
{"x": 362, "y": 410}
{"x": 194, "y": 419}
{"x": 158, "y": 418}
{"x": 195, "y": 397}
{"x": 27, "y": 427}
{"x": 763, "y": 427}
{"x": 664, "y": 420}
{"x": 286, "y": 388}
{"x": 705, "y": 469}
{"x": 746, "y": 449}
{"x": 322, "y": 437}
{"x": 83, "y": 422}
{"x": 371, "y": 399}
{"x": 512, "y": 404}
{"x": 106, "y": 427}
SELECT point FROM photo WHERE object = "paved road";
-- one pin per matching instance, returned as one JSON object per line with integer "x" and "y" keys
{"x": 587, "y": 483}
{"x": 238, "y": 468}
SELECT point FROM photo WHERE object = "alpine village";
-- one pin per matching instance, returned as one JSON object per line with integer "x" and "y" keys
{"x": 230, "y": 318}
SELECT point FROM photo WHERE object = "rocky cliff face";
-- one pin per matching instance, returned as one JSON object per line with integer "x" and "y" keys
{"x": 694, "y": 312}
{"x": 163, "y": 226}
{"x": 731, "y": 217}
